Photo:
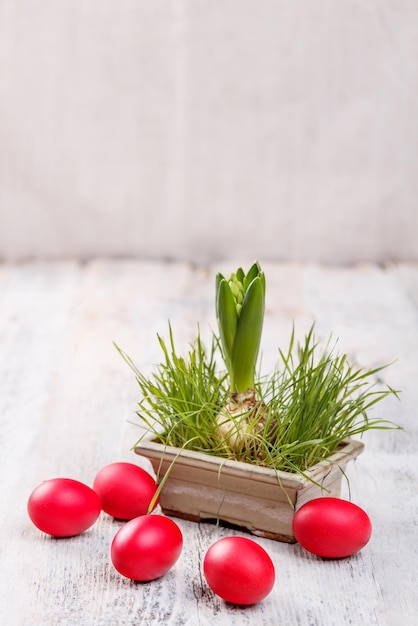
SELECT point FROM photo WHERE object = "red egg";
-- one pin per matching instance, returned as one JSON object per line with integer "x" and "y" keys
{"x": 63, "y": 507}
{"x": 146, "y": 547}
{"x": 331, "y": 527}
{"x": 239, "y": 570}
{"x": 125, "y": 490}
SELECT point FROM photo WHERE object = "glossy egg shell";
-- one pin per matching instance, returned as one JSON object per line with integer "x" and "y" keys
{"x": 331, "y": 527}
{"x": 146, "y": 547}
{"x": 125, "y": 490}
{"x": 63, "y": 507}
{"x": 239, "y": 570}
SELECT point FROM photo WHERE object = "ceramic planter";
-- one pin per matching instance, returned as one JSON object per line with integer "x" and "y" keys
{"x": 201, "y": 487}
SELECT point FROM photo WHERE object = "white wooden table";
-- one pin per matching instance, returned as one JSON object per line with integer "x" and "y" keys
{"x": 66, "y": 400}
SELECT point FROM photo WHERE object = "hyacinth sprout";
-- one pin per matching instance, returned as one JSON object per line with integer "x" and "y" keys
{"x": 240, "y": 304}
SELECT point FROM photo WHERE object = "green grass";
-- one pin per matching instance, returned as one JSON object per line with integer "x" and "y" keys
{"x": 181, "y": 399}
{"x": 313, "y": 400}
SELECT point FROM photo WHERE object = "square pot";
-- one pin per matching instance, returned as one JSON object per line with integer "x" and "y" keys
{"x": 201, "y": 487}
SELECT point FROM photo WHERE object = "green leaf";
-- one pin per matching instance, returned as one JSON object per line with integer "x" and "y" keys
{"x": 219, "y": 277}
{"x": 248, "y": 337}
{"x": 227, "y": 318}
{"x": 240, "y": 275}
{"x": 253, "y": 272}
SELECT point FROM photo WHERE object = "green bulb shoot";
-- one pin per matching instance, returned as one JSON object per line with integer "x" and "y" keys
{"x": 240, "y": 304}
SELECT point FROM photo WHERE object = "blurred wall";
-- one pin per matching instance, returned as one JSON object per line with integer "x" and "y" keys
{"x": 202, "y": 129}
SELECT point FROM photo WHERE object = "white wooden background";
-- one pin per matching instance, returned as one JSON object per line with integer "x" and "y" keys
{"x": 292, "y": 124}
{"x": 65, "y": 404}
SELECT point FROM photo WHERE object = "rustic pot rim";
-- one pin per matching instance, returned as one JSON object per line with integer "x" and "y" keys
{"x": 348, "y": 449}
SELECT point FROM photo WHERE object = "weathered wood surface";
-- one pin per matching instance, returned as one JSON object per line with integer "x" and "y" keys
{"x": 67, "y": 398}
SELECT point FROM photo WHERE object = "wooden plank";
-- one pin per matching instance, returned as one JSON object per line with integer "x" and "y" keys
{"x": 66, "y": 399}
